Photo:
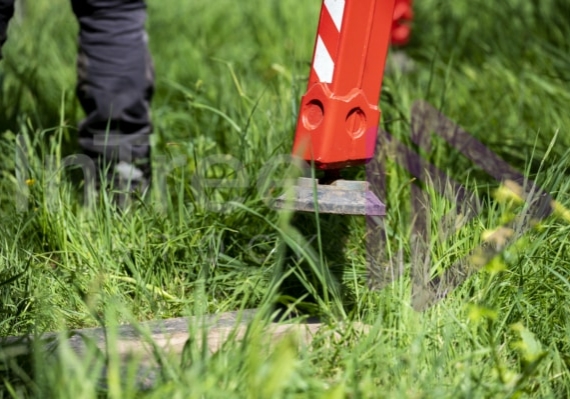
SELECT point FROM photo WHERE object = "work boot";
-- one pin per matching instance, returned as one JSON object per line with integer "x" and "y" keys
{"x": 125, "y": 183}
{"x": 129, "y": 183}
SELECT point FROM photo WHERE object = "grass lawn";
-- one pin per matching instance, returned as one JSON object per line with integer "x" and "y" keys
{"x": 229, "y": 79}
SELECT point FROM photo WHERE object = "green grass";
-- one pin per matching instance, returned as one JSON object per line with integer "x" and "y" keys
{"x": 229, "y": 79}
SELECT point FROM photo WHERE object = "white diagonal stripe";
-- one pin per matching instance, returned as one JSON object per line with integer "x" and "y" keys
{"x": 323, "y": 64}
{"x": 336, "y": 10}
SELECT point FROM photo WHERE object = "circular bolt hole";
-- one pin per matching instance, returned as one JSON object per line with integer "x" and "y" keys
{"x": 355, "y": 123}
{"x": 313, "y": 114}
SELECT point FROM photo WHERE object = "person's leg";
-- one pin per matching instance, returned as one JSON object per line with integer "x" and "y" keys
{"x": 115, "y": 87}
{"x": 6, "y": 12}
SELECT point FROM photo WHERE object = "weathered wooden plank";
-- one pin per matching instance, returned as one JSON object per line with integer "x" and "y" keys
{"x": 168, "y": 336}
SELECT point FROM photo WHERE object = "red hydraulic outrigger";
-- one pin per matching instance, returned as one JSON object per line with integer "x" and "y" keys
{"x": 339, "y": 115}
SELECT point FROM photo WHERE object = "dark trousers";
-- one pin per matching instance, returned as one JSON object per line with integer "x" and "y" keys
{"x": 115, "y": 78}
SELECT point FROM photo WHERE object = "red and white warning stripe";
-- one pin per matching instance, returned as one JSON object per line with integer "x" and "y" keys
{"x": 328, "y": 39}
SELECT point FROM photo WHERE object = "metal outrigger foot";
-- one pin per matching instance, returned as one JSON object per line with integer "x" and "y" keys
{"x": 345, "y": 197}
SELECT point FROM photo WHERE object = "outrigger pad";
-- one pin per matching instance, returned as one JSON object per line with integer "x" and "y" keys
{"x": 341, "y": 197}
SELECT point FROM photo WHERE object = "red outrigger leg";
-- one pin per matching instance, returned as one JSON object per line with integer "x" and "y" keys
{"x": 339, "y": 114}
{"x": 403, "y": 15}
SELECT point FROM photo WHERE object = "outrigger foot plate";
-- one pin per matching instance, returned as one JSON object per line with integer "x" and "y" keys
{"x": 344, "y": 197}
